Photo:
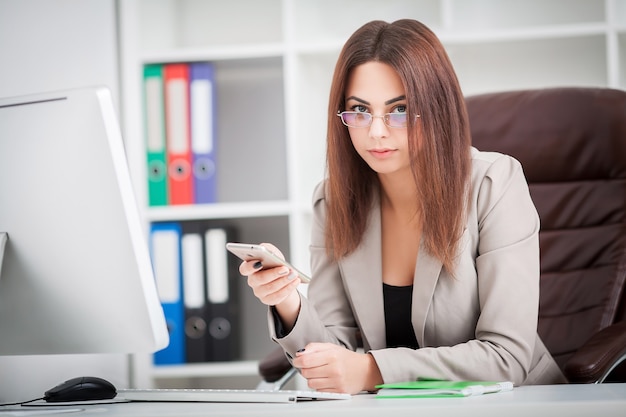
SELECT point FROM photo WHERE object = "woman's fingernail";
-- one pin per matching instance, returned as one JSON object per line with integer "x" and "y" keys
{"x": 283, "y": 271}
{"x": 258, "y": 265}
{"x": 292, "y": 276}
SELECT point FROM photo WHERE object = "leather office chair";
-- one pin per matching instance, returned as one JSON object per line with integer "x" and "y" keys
{"x": 572, "y": 145}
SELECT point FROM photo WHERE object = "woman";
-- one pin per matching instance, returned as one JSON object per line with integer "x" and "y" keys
{"x": 422, "y": 247}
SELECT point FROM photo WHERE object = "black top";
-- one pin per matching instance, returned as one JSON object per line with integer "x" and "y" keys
{"x": 398, "y": 327}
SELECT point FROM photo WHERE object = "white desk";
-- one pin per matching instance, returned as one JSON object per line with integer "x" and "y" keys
{"x": 604, "y": 400}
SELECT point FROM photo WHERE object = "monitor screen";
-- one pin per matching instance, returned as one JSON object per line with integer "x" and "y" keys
{"x": 75, "y": 275}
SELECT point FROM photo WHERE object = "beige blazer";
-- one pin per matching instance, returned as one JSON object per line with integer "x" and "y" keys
{"x": 480, "y": 324}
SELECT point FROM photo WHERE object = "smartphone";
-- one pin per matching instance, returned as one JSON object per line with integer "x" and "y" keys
{"x": 250, "y": 252}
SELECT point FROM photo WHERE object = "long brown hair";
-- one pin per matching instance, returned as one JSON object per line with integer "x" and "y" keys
{"x": 439, "y": 141}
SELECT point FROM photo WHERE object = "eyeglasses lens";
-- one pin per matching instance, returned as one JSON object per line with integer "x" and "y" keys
{"x": 357, "y": 119}
{"x": 395, "y": 119}
{"x": 362, "y": 119}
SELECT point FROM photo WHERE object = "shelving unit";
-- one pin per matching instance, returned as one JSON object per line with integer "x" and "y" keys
{"x": 274, "y": 63}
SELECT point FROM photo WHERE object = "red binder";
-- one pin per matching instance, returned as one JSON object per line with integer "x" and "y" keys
{"x": 177, "y": 127}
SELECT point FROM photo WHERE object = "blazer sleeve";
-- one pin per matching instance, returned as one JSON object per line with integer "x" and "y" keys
{"x": 325, "y": 314}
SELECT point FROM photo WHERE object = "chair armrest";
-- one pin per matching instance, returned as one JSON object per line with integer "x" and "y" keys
{"x": 595, "y": 360}
{"x": 273, "y": 366}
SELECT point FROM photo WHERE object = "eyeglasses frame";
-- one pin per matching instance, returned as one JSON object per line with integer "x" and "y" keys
{"x": 340, "y": 115}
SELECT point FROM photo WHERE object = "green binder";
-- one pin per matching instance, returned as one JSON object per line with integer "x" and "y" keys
{"x": 154, "y": 127}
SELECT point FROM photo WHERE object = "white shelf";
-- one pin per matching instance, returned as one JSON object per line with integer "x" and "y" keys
{"x": 460, "y": 37}
{"x": 218, "y": 211}
{"x": 216, "y": 53}
{"x": 275, "y": 58}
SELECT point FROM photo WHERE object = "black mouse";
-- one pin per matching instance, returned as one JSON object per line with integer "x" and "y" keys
{"x": 84, "y": 388}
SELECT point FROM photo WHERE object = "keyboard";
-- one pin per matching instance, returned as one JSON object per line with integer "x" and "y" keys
{"x": 226, "y": 395}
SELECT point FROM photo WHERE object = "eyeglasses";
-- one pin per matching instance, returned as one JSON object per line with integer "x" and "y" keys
{"x": 364, "y": 119}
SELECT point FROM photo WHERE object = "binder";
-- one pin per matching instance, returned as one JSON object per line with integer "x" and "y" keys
{"x": 165, "y": 253}
{"x": 154, "y": 122}
{"x": 194, "y": 300}
{"x": 203, "y": 131}
{"x": 177, "y": 120}
{"x": 223, "y": 326}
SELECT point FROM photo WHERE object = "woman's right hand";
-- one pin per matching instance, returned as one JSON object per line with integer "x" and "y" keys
{"x": 274, "y": 286}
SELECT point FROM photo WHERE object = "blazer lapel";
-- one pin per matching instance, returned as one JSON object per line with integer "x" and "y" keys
{"x": 427, "y": 272}
{"x": 362, "y": 274}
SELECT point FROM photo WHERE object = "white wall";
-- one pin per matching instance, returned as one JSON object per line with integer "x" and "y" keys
{"x": 56, "y": 44}
{"x": 50, "y": 45}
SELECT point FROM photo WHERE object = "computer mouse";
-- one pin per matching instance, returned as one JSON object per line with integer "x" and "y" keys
{"x": 84, "y": 388}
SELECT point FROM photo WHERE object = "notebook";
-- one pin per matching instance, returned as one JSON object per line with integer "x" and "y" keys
{"x": 440, "y": 388}
{"x": 226, "y": 395}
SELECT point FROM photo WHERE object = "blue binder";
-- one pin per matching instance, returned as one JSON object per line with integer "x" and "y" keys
{"x": 165, "y": 249}
{"x": 203, "y": 131}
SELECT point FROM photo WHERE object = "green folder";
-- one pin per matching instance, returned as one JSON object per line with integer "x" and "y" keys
{"x": 434, "y": 388}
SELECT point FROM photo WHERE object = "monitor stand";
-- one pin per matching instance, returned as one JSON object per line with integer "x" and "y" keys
{"x": 4, "y": 236}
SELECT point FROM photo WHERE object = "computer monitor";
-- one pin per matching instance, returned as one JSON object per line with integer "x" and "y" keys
{"x": 75, "y": 275}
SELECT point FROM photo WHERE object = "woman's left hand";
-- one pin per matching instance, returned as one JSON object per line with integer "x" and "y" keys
{"x": 333, "y": 368}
